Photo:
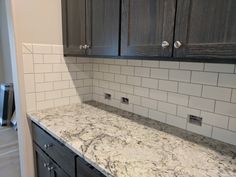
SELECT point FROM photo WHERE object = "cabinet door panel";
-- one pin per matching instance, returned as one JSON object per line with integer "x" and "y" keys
{"x": 73, "y": 20}
{"x": 57, "y": 171}
{"x": 145, "y": 24}
{"x": 40, "y": 161}
{"x": 206, "y": 28}
{"x": 102, "y": 27}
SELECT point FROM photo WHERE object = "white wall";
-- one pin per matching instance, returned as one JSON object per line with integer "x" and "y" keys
{"x": 5, "y": 61}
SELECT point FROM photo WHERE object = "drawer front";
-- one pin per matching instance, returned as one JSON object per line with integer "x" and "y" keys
{"x": 63, "y": 156}
{"x": 84, "y": 169}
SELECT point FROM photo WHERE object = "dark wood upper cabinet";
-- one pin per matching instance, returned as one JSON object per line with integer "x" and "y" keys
{"x": 91, "y": 27}
{"x": 145, "y": 25}
{"x": 102, "y": 27}
{"x": 206, "y": 29}
{"x": 73, "y": 22}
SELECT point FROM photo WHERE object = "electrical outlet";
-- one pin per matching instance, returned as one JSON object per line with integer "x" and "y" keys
{"x": 107, "y": 96}
{"x": 124, "y": 100}
{"x": 195, "y": 120}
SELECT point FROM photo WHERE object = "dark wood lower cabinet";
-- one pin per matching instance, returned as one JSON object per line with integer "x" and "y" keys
{"x": 53, "y": 159}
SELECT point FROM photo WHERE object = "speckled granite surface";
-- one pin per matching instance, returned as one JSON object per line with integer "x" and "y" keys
{"x": 122, "y": 144}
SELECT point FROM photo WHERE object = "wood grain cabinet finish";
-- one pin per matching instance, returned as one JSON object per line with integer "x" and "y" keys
{"x": 206, "y": 29}
{"x": 145, "y": 25}
{"x": 91, "y": 27}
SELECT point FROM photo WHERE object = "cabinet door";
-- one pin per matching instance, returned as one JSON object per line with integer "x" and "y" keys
{"x": 41, "y": 163}
{"x": 73, "y": 22}
{"x": 145, "y": 25}
{"x": 57, "y": 171}
{"x": 102, "y": 27}
{"x": 206, "y": 29}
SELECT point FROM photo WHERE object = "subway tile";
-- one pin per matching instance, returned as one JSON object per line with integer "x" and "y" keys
{"x": 52, "y": 59}
{"x": 127, "y": 88}
{"x": 42, "y": 48}
{"x": 169, "y": 64}
{"x": 68, "y": 76}
{"x": 185, "y": 111}
{"x": 38, "y": 58}
{"x": 108, "y": 61}
{"x": 41, "y": 87}
{"x": 149, "y": 103}
{"x": 202, "y": 130}
{"x": 167, "y": 108}
{"x": 109, "y": 76}
{"x": 179, "y": 75}
{"x": 134, "y": 99}
{"x": 43, "y": 68}
{"x": 232, "y": 124}
{"x": 84, "y": 60}
{"x": 192, "y": 66}
{"x": 227, "y": 80}
{"x": 224, "y": 135}
{"x": 104, "y": 84}
{"x": 39, "y": 77}
{"x": 40, "y": 96}
{"x": 225, "y": 108}
{"x": 190, "y": 89}
{"x": 69, "y": 92}
{"x": 216, "y": 67}
{"x": 57, "y": 49}
{"x": 168, "y": 85}
{"x": 27, "y": 48}
{"x": 114, "y": 86}
{"x": 45, "y": 104}
{"x": 61, "y": 85}
{"x": 75, "y": 99}
{"x": 95, "y": 67}
{"x": 126, "y": 107}
{"x": 141, "y": 71}
{"x": 68, "y": 60}
{"x": 140, "y": 110}
{"x": 151, "y": 63}
{"x": 216, "y": 120}
{"x": 28, "y": 63}
{"x": 150, "y": 83}
{"x": 134, "y": 80}
{"x": 118, "y": 95}
{"x": 83, "y": 75}
{"x": 52, "y": 77}
{"x": 97, "y": 75}
{"x": 120, "y": 78}
{"x": 61, "y": 101}
{"x": 75, "y": 67}
{"x": 29, "y": 83}
{"x": 84, "y": 90}
{"x": 121, "y": 62}
{"x": 216, "y": 93}
{"x": 201, "y": 103}
{"x": 176, "y": 121}
{"x": 114, "y": 69}
{"x": 158, "y": 95}
{"x": 156, "y": 115}
{"x": 103, "y": 68}
{"x": 30, "y": 101}
{"x": 140, "y": 91}
{"x": 87, "y": 67}
{"x": 127, "y": 70}
{"x": 88, "y": 82}
{"x": 76, "y": 83}
{"x": 178, "y": 99}
{"x": 159, "y": 73}
{"x": 60, "y": 68}
{"x": 204, "y": 78}
{"x": 135, "y": 62}
{"x": 233, "y": 99}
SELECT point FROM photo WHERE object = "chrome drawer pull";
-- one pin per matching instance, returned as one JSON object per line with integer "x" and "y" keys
{"x": 46, "y": 146}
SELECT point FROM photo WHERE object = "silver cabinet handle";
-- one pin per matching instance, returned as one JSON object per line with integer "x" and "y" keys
{"x": 46, "y": 146}
{"x": 165, "y": 44}
{"x": 177, "y": 44}
{"x": 86, "y": 46}
{"x": 81, "y": 47}
{"x": 50, "y": 168}
{"x": 46, "y": 165}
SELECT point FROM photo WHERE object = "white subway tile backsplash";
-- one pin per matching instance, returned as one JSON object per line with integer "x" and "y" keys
{"x": 159, "y": 73}
{"x": 233, "y": 99}
{"x": 232, "y": 124}
{"x": 40, "y": 96}
{"x": 46, "y": 86}
{"x": 178, "y": 99}
{"x": 225, "y": 108}
{"x": 224, "y": 135}
{"x": 192, "y": 66}
{"x": 151, "y": 64}
{"x": 190, "y": 89}
{"x": 141, "y": 71}
{"x": 140, "y": 110}
{"x": 202, "y": 130}
{"x": 128, "y": 70}
{"x": 61, "y": 101}
{"x": 61, "y": 85}
{"x": 45, "y": 104}
{"x": 29, "y": 83}
{"x": 158, "y": 95}
{"x": 109, "y": 76}
{"x": 52, "y": 59}
{"x": 171, "y": 86}
{"x": 179, "y": 75}
{"x": 127, "y": 88}
{"x": 155, "y": 115}
{"x": 201, "y": 103}
{"x": 120, "y": 78}
{"x": 39, "y": 78}
{"x": 216, "y": 67}
{"x": 42, "y": 48}
{"x": 42, "y": 68}
{"x": 134, "y": 80}
{"x": 30, "y": 101}
{"x": 150, "y": 83}
{"x": 216, "y": 93}
{"x": 135, "y": 62}
{"x": 185, "y": 111}
{"x": 52, "y": 77}
{"x": 167, "y": 108}
{"x": 227, "y": 80}
{"x": 60, "y": 68}
{"x": 176, "y": 121}
{"x": 28, "y": 63}
{"x": 215, "y": 119}
{"x": 114, "y": 69}
{"x": 204, "y": 78}
{"x": 149, "y": 103}
{"x": 169, "y": 64}
{"x": 38, "y": 58}
{"x": 140, "y": 91}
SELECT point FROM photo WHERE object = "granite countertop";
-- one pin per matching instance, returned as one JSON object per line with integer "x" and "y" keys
{"x": 122, "y": 144}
